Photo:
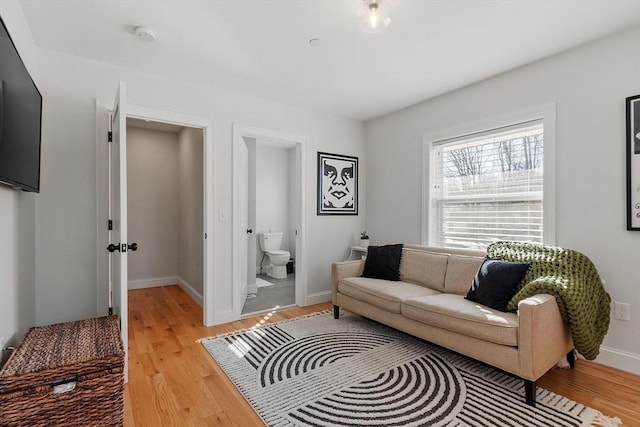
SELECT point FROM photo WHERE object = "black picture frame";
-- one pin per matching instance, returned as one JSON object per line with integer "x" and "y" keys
{"x": 337, "y": 184}
{"x": 633, "y": 162}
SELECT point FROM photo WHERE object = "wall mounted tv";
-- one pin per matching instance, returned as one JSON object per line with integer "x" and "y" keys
{"x": 20, "y": 120}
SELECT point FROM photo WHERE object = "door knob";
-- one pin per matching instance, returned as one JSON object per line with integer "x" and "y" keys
{"x": 249, "y": 231}
{"x": 113, "y": 248}
{"x": 133, "y": 246}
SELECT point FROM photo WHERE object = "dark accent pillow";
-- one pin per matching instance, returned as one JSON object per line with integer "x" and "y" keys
{"x": 383, "y": 262}
{"x": 496, "y": 282}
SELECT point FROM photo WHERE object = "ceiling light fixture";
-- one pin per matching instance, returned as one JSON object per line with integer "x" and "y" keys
{"x": 373, "y": 16}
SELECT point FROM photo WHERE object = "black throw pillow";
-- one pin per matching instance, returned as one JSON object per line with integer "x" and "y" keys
{"x": 496, "y": 282}
{"x": 383, "y": 262}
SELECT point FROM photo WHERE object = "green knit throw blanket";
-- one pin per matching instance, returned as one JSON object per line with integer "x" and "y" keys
{"x": 572, "y": 279}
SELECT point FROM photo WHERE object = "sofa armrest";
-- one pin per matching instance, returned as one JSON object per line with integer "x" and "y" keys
{"x": 544, "y": 338}
{"x": 340, "y": 270}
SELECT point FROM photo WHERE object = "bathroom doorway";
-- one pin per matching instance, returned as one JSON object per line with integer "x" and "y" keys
{"x": 268, "y": 200}
{"x": 271, "y": 213}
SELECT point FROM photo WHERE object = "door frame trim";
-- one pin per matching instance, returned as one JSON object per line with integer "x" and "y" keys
{"x": 209, "y": 225}
{"x": 301, "y": 142}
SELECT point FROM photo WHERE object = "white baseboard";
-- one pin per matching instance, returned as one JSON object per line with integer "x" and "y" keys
{"x": 152, "y": 283}
{"x": 252, "y": 288}
{"x": 185, "y": 286}
{"x": 318, "y": 298}
{"x": 619, "y": 359}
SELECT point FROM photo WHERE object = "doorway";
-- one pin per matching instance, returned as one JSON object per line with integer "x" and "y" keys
{"x": 271, "y": 216}
{"x": 290, "y": 149}
{"x": 104, "y": 188}
{"x": 165, "y": 188}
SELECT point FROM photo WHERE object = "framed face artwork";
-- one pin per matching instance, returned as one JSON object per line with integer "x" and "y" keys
{"x": 633, "y": 162}
{"x": 337, "y": 184}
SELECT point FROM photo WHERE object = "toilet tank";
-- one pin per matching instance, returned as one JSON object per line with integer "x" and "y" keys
{"x": 270, "y": 241}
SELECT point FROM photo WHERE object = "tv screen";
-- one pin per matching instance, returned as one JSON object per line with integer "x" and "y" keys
{"x": 20, "y": 120}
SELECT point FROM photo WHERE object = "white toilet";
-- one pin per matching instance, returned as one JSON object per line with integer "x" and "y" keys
{"x": 270, "y": 244}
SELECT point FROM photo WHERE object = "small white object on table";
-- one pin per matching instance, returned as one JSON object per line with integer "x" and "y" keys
{"x": 357, "y": 252}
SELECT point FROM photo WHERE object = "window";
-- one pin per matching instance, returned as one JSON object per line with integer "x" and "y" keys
{"x": 488, "y": 186}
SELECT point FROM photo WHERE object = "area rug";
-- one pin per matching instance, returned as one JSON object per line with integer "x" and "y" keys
{"x": 318, "y": 371}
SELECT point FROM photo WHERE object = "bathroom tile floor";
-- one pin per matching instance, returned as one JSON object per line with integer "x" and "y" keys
{"x": 281, "y": 293}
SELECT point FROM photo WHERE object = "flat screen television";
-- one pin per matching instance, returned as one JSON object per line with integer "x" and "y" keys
{"x": 20, "y": 120}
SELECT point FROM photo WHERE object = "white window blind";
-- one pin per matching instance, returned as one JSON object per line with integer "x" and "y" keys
{"x": 488, "y": 186}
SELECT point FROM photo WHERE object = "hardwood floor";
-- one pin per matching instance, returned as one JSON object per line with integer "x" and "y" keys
{"x": 174, "y": 382}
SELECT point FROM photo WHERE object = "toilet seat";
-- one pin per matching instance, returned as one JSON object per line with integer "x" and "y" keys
{"x": 278, "y": 252}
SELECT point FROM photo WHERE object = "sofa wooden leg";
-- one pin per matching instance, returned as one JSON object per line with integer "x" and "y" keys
{"x": 571, "y": 358}
{"x": 530, "y": 392}
{"x": 336, "y": 311}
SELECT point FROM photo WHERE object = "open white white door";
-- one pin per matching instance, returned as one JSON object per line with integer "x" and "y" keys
{"x": 244, "y": 219}
{"x": 118, "y": 214}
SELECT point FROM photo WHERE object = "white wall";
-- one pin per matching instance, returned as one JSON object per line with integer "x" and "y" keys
{"x": 589, "y": 86}
{"x": 153, "y": 206}
{"x": 66, "y": 266}
{"x": 17, "y": 215}
{"x": 191, "y": 179}
{"x": 272, "y": 194}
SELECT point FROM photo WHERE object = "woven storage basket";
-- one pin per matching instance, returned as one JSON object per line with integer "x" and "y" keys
{"x": 87, "y": 354}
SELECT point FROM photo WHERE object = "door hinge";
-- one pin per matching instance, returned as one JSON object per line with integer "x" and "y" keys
{"x": 110, "y": 224}
{"x": 109, "y": 136}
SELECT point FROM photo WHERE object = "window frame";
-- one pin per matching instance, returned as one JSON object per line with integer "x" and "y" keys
{"x": 546, "y": 113}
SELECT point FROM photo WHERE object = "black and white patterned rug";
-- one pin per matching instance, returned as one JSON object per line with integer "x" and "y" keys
{"x": 318, "y": 371}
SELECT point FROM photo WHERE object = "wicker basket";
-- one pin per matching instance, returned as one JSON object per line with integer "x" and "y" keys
{"x": 68, "y": 374}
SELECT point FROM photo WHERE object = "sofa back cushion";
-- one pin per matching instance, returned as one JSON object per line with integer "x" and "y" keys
{"x": 461, "y": 270}
{"x": 424, "y": 268}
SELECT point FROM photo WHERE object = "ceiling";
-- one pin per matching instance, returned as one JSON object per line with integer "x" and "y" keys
{"x": 261, "y": 48}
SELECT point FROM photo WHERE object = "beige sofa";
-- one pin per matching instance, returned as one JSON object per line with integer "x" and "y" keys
{"x": 428, "y": 302}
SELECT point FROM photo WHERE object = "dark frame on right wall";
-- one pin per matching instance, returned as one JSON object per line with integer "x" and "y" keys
{"x": 337, "y": 184}
{"x": 633, "y": 162}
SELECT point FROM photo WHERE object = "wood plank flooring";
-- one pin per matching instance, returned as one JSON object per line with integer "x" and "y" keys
{"x": 174, "y": 382}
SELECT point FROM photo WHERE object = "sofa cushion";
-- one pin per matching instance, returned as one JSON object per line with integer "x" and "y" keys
{"x": 423, "y": 268}
{"x": 455, "y": 313}
{"x": 383, "y": 262}
{"x": 461, "y": 270}
{"x": 496, "y": 282}
{"x": 381, "y": 293}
